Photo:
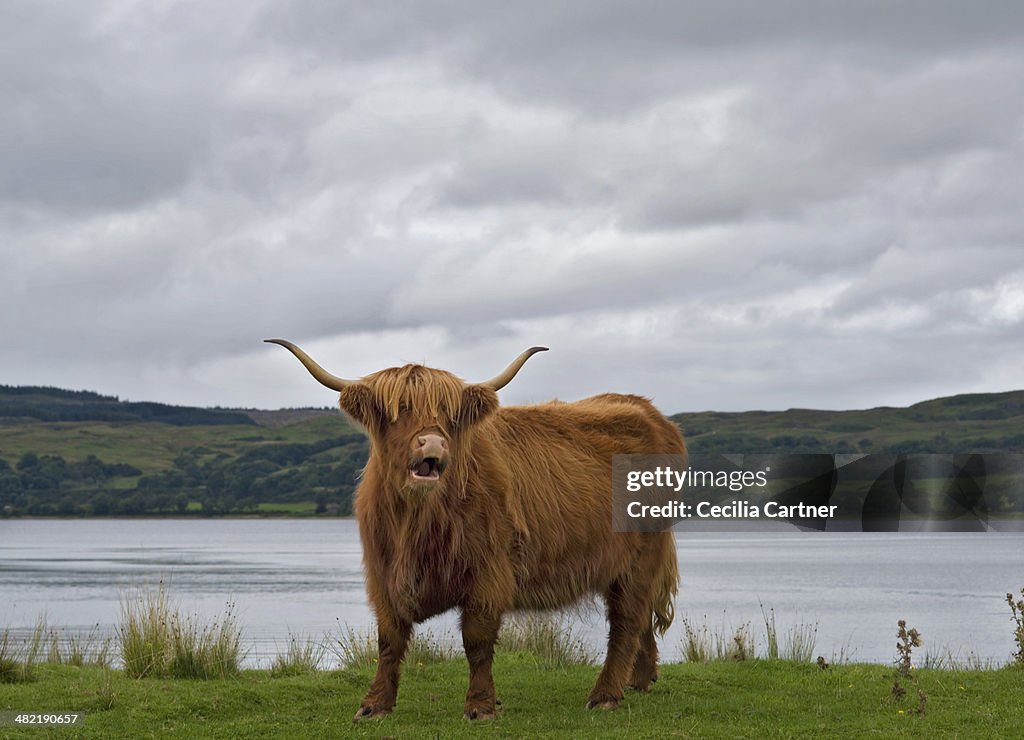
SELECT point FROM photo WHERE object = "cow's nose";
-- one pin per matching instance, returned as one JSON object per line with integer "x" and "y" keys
{"x": 431, "y": 445}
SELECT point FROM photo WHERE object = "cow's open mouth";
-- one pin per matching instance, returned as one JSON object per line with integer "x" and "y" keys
{"x": 429, "y": 468}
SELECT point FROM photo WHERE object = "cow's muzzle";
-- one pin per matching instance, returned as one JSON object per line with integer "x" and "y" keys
{"x": 429, "y": 457}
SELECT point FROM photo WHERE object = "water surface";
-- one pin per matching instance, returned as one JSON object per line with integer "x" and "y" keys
{"x": 304, "y": 577}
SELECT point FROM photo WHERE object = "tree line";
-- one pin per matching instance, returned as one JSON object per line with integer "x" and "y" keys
{"x": 54, "y": 404}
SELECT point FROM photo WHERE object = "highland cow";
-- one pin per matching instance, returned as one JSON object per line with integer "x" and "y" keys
{"x": 467, "y": 505}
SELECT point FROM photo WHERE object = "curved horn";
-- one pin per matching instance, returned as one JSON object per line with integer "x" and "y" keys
{"x": 502, "y": 379}
{"x": 331, "y": 381}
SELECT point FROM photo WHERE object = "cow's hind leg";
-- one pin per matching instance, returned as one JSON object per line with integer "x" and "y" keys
{"x": 645, "y": 666}
{"x": 479, "y": 633}
{"x": 628, "y": 617}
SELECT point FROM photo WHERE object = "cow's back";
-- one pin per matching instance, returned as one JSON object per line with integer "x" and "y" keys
{"x": 559, "y": 457}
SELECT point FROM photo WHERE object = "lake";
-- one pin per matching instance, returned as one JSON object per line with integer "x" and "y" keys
{"x": 304, "y": 577}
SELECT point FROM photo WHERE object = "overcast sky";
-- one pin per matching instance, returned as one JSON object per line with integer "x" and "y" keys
{"x": 726, "y": 205}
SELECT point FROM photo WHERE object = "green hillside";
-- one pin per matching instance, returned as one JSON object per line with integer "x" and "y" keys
{"x": 76, "y": 453}
{"x": 979, "y": 422}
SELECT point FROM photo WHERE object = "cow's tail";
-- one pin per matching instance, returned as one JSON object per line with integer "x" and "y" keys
{"x": 665, "y": 586}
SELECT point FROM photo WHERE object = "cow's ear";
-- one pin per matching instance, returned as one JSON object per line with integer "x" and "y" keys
{"x": 478, "y": 402}
{"x": 357, "y": 401}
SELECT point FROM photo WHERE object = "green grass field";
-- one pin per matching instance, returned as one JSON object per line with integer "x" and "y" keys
{"x": 148, "y": 445}
{"x": 756, "y": 698}
{"x": 297, "y": 508}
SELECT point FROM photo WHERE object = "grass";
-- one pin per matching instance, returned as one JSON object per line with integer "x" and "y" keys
{"x": 723, "y": 699}
{"x": 150, "y": 446}
{"x": 286, "y": 507}
{"x": 732, "y": 693}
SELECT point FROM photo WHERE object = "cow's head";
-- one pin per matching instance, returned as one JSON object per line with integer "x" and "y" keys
{"x": 419, "y": 419}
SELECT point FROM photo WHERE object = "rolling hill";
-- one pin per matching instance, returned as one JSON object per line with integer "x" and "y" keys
{"x": 77, "y": 453}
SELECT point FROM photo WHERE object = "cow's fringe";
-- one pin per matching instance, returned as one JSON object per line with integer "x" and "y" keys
{"x": 424, "y": 392}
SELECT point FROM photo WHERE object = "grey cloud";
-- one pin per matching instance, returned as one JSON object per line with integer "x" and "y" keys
{"x": 90, "y": 124}
{"x": 729, "y": 205}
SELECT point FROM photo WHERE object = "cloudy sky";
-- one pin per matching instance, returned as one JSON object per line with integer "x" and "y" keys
{"x": 725, "y": 205}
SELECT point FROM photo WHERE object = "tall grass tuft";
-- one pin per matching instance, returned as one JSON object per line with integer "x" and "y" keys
{"x": 302, "y": 657}
{"x": 157, "y": 640}
{"x": 799, "y": 646}
{"x": 429, "y": 648}
{"x": 145, "y": 633}
{"x": 358, "y": 648}
{"x": 546, "y": 637}
{"x": 80, "y": 650}
{"x": 205, "y": 651}
{"x": 105, "y": 694}
{"x": 543, "y": 636}
{"x": 947, "y": 660}
{"x": 10, "y": 663}
{"x": 354, "y": 649}
{"x": 18, "y": 660}
{"x": 697, "y": 643}
{"x": 703, "y": 645}
{"x": 771, "y": 632}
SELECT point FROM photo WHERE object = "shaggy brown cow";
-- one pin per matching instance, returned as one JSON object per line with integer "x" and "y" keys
{"x": 467, "y": 505}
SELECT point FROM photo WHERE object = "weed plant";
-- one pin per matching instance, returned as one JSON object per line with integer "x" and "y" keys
{"x": 1017, "y": 617}
{"x": 907, "y": 640}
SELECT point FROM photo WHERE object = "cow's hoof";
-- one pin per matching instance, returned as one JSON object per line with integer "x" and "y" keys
{"x": 480, "y": 713}
{"x": 642, "y": 685}
{"x": 371, "y": 712}
{"x": 603, "y": 702}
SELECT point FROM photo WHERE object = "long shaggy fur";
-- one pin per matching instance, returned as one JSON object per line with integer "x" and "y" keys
{"x": 521, "y": 519}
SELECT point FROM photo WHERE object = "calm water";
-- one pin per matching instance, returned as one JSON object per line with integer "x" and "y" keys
{"x": 303, "y": 577}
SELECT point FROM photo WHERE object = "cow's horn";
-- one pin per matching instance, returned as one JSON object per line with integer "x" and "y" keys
{"x": 331, "y": 381}
{"x": 502, "y": 379}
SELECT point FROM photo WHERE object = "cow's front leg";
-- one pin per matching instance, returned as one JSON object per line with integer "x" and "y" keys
{"x": 479, "y": 633}
{"x": 392, "y": 639}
